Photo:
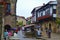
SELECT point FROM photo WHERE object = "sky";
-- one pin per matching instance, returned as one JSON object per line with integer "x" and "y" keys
{"x": 24, "y": 7}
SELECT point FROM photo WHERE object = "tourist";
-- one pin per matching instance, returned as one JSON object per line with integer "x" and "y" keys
{"x": 9, "y": 34}
{"x": 5, "y": 34}
{"x": 39, "y": 33}
{"x": 49, "y": 31}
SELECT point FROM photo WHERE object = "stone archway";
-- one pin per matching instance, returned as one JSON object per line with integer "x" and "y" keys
{"x": 7, "y": 27}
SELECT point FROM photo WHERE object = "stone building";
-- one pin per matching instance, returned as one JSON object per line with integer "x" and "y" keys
{"x": 58, "y": 7}
{"x": 46, "y": 15}
{"x": 7, "y": 14}
{"x": 58, "y": 14}
{"x": 22, "y": 20}
{"x": 10, "y": 15}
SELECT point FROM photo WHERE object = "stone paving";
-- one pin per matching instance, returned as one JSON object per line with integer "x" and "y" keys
{"x": 53, "y": 37}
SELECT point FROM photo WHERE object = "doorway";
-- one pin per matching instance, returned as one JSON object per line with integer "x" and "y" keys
{"x": 7, "y": 27}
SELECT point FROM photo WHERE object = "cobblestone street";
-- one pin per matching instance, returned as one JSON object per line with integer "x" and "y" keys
{"x": 53, "y": 37}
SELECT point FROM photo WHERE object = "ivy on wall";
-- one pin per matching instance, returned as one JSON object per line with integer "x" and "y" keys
{"x": 58, "y": 21}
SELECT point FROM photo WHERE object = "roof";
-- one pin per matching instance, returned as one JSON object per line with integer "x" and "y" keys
{"x": 29, "y": 18}
{"x": 36, "y": 8}
{"x": 29, "y": 25}
{"x": 49, "y": 3}
{"x": 21, "y": 17}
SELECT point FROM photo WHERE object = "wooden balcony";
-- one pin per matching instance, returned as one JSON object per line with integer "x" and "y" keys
{"x": 44, "y": 17}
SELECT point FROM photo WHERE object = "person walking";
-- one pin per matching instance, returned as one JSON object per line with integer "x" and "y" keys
{"x": 49, "y": 31}
{"x": 9, "y": 34}
{"x": 5, "y": 35}
{"x": 39, "y": 33}
{"x": 46, "y": 29}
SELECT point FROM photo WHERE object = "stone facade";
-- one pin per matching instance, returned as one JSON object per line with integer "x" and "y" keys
{"x": 58, "y": 8}
{"x": 46, "y": 15}
{"x": 7, "y": 14}
{"x": 10, "y": 19}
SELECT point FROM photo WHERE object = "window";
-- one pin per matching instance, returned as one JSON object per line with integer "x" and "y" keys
{"x": 47, "y": 12}
{"x": 51, "y": 10}
{"x": 54, "y": 7}
{"x": 38, "y": 14}
{"x": 41, "y": 14}
{"x": 8, "y": 8}
{"x": 54, "y": 11}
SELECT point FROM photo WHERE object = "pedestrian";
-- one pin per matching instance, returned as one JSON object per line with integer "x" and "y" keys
{"x": 22, "y": 28}
{"x": 16, "y": 30}
{"x": 49, "y": 31}
{"x": 15, "y": 33}
{"x": 5, "y": 34}
{"x": 10, "y": 34}
{"x": 39, "y": 33}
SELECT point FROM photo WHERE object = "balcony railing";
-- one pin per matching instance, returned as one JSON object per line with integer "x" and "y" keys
{"x": 44, "y": 17}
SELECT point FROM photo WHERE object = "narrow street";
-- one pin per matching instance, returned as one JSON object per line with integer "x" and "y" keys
{"x": 25, "y": 38}
{"x": 53, "y": 37}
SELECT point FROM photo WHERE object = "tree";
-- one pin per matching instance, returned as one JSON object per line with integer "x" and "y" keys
{"x": 20, "y": 23}
{"x": 29, "y": 22}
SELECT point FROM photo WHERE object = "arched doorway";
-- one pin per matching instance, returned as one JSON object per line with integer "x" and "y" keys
{"x": 50, "y": 26}
{"x": 7, "y": 27}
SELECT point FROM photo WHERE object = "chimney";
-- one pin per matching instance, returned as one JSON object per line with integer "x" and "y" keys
{"x": 43, "y": 4}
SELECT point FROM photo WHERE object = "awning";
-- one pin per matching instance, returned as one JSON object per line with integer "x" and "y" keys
{"x": 13, "y": 28}
{"x": 29, "y": 25}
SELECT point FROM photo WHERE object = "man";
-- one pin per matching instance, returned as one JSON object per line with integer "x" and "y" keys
{"x": 49, "y": 31}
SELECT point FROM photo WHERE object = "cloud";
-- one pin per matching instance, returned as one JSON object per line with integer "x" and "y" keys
{"x": 24, "y": 7}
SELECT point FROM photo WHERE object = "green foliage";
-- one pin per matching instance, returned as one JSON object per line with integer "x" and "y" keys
{"x": 20, "y": 23}
{"x": 29, "y": 22}
{"x": 58, "y": 21}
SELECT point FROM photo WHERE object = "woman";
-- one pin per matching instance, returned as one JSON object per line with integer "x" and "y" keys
{"x": 9, "y": 34}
